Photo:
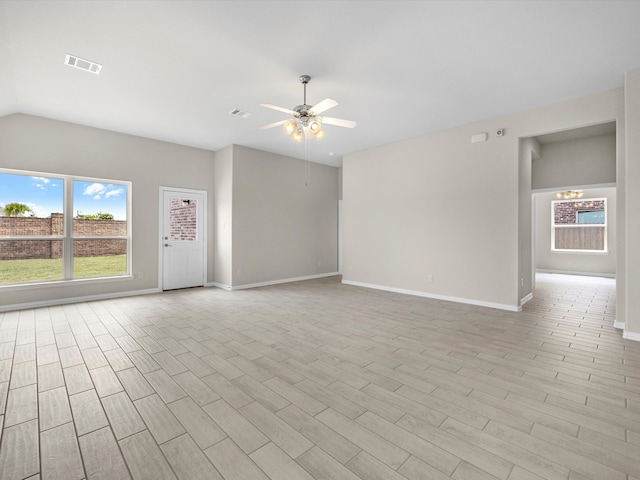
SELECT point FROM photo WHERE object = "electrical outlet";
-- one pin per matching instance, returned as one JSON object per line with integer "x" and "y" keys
{"x": 140, "y": 275}
{"x": 430, "y": 278}
{"x": 319, "y": 263}
{"x": 522, "y": 282}
{"x": 239, "y": 272}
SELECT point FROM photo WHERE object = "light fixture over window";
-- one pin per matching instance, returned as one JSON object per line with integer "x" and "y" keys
{"x": 570, "y": 194}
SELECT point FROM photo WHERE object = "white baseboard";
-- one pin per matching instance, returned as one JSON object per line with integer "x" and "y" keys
{"x": 511, "y": 308}
{"x": 583, "y": 274}
{"x": 526, "y": 298}
{"x": 618, "y": 325}
{"x": 276, "y": 282}
{"x": 631, "y": 336}
{"x": 65, "y": 301}
{"x": 218, "y": 285}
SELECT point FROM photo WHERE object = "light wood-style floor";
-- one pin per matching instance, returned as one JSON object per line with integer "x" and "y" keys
{"x": 321, "y": 380}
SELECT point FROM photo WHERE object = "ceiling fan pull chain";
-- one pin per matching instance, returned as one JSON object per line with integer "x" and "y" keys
{"x": 307, "y": 158}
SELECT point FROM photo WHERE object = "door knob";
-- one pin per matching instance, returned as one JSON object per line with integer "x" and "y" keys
{"x": 167, "y": 245}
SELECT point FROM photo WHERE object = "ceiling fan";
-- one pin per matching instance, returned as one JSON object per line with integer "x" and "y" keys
{"x": 306, "y": 118}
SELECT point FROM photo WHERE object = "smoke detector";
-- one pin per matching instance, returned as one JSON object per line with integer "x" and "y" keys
{"x": 82, "y": 64}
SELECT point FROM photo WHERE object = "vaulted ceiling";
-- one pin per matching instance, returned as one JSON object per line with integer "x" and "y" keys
{"x": 173, "y": 70}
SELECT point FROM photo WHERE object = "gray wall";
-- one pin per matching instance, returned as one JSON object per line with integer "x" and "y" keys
{"x": 631, "y": 195}
{"x": 435, "y": 205}
{"x": 585, "y": 161}
{"x": 223, "y": 204}
{"x": 49, "y": 146}
{"x": 439, "y": 205}
{"x": 262, "y": 220}
{"x": 282, "y": 229}
{"x": 574, "y": 263}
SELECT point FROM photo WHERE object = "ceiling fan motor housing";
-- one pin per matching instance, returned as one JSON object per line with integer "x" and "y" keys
{"x": 302, "y": 111}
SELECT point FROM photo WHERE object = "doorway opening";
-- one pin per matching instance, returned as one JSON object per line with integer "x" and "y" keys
{"x": 579, "y": 160}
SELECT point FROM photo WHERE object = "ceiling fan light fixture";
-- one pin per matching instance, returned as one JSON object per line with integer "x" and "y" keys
{"x": 315, "y": 126}
{"x": 319, "y": 134}
{"x": 297, "y": 135}
{"x": 290, "y": 126}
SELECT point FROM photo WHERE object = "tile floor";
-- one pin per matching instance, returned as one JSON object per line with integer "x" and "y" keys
{"x": 318, "y": 380}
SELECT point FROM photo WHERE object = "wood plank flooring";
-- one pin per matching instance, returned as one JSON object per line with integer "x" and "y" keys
{"x": 319, "y": 380}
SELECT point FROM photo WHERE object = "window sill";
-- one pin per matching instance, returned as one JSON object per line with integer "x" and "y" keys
{"x": 582, "y": 252}
{"x": 64, "y": 283}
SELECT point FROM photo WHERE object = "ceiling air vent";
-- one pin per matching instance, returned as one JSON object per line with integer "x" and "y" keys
{"x": 82, "y": 64}
{"x": 236, "y": 112}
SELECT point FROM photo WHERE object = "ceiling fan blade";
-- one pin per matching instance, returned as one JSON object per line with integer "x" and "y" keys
{"x": 323, "y": 106}
{"x": 275, "y": 107}
{"x": 271, "y": 125}
{"x": 339, "y": 122}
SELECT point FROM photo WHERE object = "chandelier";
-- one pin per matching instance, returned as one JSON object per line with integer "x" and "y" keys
{"x": 570, "y": 194}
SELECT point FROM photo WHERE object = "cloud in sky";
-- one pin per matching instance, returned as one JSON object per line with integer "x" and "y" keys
{"x": 38, "y": 210}
{"x": 99, "y": 190}
{"x": 95, "y": 189}
{"x": 116, "y": 192}
{"x": 41, "y": 182}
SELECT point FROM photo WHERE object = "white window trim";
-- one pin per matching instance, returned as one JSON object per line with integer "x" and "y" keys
{"x": 68, "y": 237}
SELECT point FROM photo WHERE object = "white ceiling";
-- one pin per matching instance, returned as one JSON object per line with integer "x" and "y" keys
{"x": 172, "y": 70}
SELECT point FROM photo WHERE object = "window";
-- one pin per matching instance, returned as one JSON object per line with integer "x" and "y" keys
{"x": 58, "y": 227}
{"x": 579, "y": 225}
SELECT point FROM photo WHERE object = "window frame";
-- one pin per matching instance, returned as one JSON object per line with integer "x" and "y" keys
{"x": 68, "y": 237}
{"x": 604, "y": 251}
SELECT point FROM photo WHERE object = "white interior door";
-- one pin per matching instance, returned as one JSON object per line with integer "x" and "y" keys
{"x": 183, "y": 240}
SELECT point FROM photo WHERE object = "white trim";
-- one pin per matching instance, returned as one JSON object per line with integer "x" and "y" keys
{"x": 526, "y": 298}
{"x": 631, "y": 336}
{"x": 583, "y": 252}
{"x": 63, "y": 283}
{"x": 618, "y": 325}
{"x": 511, "y": 308}
{"x": 219, "y": 285}
{"x": 574, "y": 187}
{"x": 276, "y": 282}
{"x": 340, "y": 237}
{"x": 88, "y": 298}
{"x": 582, "y": 274}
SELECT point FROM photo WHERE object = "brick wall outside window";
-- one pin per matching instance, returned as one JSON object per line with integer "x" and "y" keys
{"x": 565, "y": 213}
{"x": 39, "y": 249}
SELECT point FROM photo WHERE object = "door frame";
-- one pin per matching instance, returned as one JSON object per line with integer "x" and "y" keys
{"x": 162, "y": 191}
